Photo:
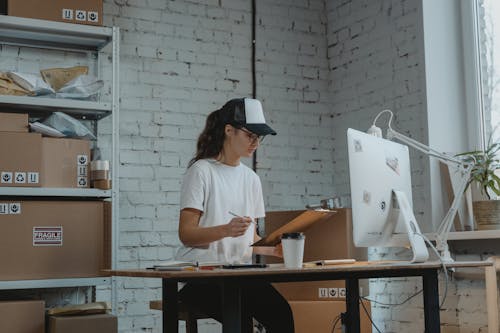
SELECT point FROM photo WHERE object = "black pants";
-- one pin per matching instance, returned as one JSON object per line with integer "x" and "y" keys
{"x": 260, "y": 301}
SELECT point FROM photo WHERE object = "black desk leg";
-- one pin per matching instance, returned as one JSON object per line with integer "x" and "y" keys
{"x": 170, "y": 306}
{"x": 232, "y": 310}
{"x": 352, "y": 305}
{"x": 431, "y": 301}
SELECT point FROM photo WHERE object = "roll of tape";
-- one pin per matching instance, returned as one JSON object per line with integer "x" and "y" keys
{"x": 99, "y": 165}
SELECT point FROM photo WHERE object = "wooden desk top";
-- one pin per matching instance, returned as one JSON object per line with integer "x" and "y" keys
{"x": 279, "y": 269}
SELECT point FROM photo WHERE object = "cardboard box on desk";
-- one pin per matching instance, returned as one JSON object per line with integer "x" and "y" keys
{"x": 319, "y": 317}
{"x": 22, "y": 316}
{"x": 328, "y": 238}
{"x": 68, "y": 11}
{"x": 99, "y": 323}
{"x": 20, "y": 161}
{"x": 53, "y": 239}
{"x": 14, "y": 122}
{"x": 65, "y": 163}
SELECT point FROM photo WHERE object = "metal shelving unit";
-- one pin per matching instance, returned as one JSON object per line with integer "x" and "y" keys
{"x": 55, "y": 283}
{"x": 55, "y": 192}
{"x": 41, "y": 34}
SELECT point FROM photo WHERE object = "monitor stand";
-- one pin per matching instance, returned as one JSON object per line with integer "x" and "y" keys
{"x": 420, "y": 253}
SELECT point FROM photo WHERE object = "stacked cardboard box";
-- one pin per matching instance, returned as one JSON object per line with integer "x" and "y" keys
{"x": 54, "y": 239}
{"x": 323, "y": 317}
{"x": 98, "y": 323}
{"x": 69, "y": 11}
{"x": 65, "y": 163}
{"x": 22, "y": 316}
{"x": 20, "y": 165}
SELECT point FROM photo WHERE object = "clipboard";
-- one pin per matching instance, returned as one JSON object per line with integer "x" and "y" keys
{"x": 298, "y": 224}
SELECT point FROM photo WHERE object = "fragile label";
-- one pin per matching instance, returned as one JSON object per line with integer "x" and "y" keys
{"x": 48, "y": 236}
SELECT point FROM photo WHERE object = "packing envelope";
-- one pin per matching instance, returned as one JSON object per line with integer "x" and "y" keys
{"x": 298, "y": 224}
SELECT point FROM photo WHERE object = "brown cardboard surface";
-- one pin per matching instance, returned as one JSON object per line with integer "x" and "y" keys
{"x": 328, "y": 238}
{"x": 61, "y": 166}
{"x": 21, "y": 154}
{"x": 319, "y": 317}
{"x": 73, "y": 243}
{"x": 299, "y": 223}
{"x": 54, "y": 10}
{"x": 101, "y": 323}
{"x": 14, "y": 122}
{"x": 331, "y": 290}
{"x": 22, "y": 316}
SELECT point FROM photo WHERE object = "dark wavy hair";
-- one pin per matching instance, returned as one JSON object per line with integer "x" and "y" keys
{"x": 211, "y": 139}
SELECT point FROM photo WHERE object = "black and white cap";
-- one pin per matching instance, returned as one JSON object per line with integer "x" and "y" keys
{"x": 248, "y": 113}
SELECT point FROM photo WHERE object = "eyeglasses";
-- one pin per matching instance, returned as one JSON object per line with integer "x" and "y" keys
{"x": 254, "y": 138}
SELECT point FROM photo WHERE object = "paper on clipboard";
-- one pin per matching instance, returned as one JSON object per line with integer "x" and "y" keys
{"x": 298, "y": 224}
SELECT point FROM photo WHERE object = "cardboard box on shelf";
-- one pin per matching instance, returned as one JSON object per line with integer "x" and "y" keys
{"x": 320, "y": 317}
{"x": 14, "y": 122}
{"x": 22, "y": 316}
{"x": 65, "y": 163}
{"x": 69, "y": 11}
{"x": 53, "y": 239}
{"x": 100, "y": 323}
{"x": 20, "y": 165}
{"x": 328, "y": 238}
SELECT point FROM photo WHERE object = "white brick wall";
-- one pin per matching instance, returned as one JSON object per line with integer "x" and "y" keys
{"x": 322, "y": 66}
{"x": 179, "y": 61}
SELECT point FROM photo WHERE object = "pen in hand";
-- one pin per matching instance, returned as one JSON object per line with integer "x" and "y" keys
{"x": 236, "y": 215}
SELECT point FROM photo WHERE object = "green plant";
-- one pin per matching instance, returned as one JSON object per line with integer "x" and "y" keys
{"x": 485, "y": 162}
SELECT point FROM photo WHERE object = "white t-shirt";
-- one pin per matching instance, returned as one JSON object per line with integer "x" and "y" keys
{"x": 217, "y": 189}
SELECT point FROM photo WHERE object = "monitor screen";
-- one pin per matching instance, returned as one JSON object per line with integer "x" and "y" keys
{"x": 377, "y": 167}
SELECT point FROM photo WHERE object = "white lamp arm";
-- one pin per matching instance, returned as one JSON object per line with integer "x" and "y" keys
{"x": 464, "y": 167}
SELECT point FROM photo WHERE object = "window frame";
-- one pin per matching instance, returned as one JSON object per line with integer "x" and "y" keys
{"x": 473, "y": 75}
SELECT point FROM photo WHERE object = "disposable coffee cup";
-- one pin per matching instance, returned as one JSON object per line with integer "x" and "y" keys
{"x": 293, "y": 249}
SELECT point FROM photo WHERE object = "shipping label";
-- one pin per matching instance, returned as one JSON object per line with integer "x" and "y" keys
{"x": 48, "y": 236}
{"x": 12, "y": 208}
{"x": 33, "y": 177}
{"x": 67, "y": 14}
{"x": 82, "y": 159}
{"x": 20, "y": 177}
{"x": 6, "y": 177}
{"x": 15, "y": 208}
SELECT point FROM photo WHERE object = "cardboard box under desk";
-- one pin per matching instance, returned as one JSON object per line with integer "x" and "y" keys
{"x": 14, "y": 122}
{"x": 53, "y": 239}
{"x": 320, "y": 317}
{"x": 68, "y": 11}
{"x": 329, "y": 238}
{"x": 100, "y": 323}
{"x": 20, "y": 161}
{"x": 65, "y": 163}
{"x": 22, "y": 316}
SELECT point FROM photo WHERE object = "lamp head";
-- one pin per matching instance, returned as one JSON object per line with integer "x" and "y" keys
{"x": 375, "y": 131}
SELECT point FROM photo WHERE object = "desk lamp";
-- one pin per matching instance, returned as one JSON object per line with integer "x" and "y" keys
{"x": 441, "y": 235}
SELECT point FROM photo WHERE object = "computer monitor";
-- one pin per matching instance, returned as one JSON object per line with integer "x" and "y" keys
{"x": 381, "y": 198}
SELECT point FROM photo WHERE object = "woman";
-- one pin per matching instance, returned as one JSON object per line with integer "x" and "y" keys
{"x": 216, "y": 187}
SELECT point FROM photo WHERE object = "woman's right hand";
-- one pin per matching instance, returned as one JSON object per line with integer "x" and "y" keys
{"x": 238, "y": 226}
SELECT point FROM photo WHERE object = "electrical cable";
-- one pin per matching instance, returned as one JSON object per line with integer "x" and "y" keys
{"x": 335, "y": 322}
{"x": 369, "y": 317}
{"x": 254, "y": 79}
{"x": 445, "y": 269}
